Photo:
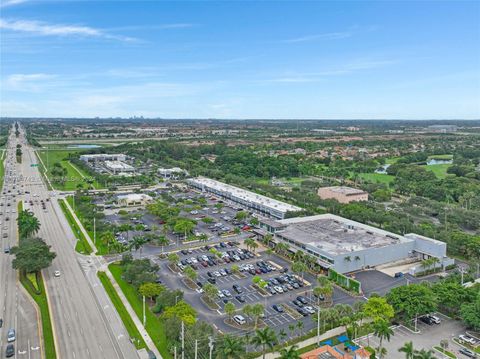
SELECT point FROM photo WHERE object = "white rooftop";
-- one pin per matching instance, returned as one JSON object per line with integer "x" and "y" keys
{"x": 118, "y": 165}
{"x": 134, "y": 196}
{"x": 337, "y": 235}
{"x": 246, "y": 195}
{"x": 344, "y": 190}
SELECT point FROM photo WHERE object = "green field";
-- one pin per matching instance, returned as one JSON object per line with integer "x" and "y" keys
{"x": 154, "y": 325}
{"x": 440, "y": 157}
{"x": 377, "y": 177}
{"x": 439, "y": 170}
{"x": 122, "y": 311}
{"x": 74, "y": 177}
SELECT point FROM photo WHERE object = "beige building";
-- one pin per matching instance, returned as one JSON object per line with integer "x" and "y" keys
{"x": 343, "y": 194}
{"x": 133, "y": 199}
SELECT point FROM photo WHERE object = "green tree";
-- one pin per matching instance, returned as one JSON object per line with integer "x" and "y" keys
{"x": 231, "y": 347}
{"x": 264, "y": 338}
{"x": 289, "y": 353}
{"x": 377, "y": 308}
{"x": 173, "y": 259}
{"x": 383, "y": 331}
{"x": 210, "y": 291}
{"x": 241, "y": 215}
{"x": 256, "y": 312}
{"x": 230, "y": 309}
{"x": 424, "y": 354}
{"x": 137, "y": 243}
{"x": 185, "y": 226}
{"x": 299, "y": 267}
{"x": 412, "y": 300}
{"x": 470, "y": 313}
{"x": 28, "y": 224}
{"x": 32, "y": 255}
{"x": 408, "y": 349}
{"x": 150, "y": 290}
{"x": 182, "y": 310}
{"x": 190, "y": 273}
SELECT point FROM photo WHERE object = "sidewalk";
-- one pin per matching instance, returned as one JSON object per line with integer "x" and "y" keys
{"x": 104, "y": 266}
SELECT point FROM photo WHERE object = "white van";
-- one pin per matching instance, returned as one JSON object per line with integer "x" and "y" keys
{"x": 239, "y": 319}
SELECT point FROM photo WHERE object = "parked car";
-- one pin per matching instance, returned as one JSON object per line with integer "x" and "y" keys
{"x": 10, "y": 351}
{"x": 240, "y": 298}
{"x": 302, "y": 299}
{"x": 278, "y": 308}
{"x": 11, "y": 336}
{"x": 239, "y": 319}
{"x": 427, "y": 320}
{"x": 467, "y": 339}
{"x": 237, "y": 288}
{"x": 468, "y": 352}
{"x": 434, "y": 319}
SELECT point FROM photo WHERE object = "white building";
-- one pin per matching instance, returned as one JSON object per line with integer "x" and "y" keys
{"x": 249, "y": 200}
{"x": 103, "y": 157}
{"x": 118, "y": 167}
{"x": 172, "y": 173}
{"x": 133, "y": 199}
{"x": 347, "y": 246}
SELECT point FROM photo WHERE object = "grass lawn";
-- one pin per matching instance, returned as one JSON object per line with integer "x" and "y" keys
{"x": 439, "y": 170}
{"x": 377, "y": 177}
{"x": 122, "y": 311}
{"x": 102, "y": 248}
{"x": 154, "y": 325}
{"x": 440, "y": 157}
{"x": 82, "y": 245}
{"x": 2, "y": 168}
{"x": 41, "y": 300}
{"x": 446, "y": 352}
{"x": 74, "y": 175}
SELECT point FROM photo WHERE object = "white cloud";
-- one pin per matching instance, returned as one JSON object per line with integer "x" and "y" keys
{"x": 27, "y": 82}
{"x": 43, "y": 29}
{"x": 6, "y": 3}
{"x": 325, "y": 36}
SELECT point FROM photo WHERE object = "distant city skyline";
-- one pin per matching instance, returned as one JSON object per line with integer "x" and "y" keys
{"x": 240, "y": 60}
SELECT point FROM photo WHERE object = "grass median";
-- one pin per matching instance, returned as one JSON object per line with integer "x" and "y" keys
{"x": 41, "y": 299}
{"x": 122, "y": 311}
{"x": 154, "y": 325}
{"x": 82, "y": 245}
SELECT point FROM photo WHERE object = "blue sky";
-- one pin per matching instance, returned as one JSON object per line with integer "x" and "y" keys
{"x": 241, "y": 59}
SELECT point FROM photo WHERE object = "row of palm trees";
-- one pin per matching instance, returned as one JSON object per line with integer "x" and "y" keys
{"x": 412, "y": 353}
{"x": 234, "y": 347}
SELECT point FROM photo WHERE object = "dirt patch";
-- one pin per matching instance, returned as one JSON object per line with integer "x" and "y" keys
{"x": 209, "y": 303}
{"x": 296, "y": 315}
{"x": 190, "y": 284}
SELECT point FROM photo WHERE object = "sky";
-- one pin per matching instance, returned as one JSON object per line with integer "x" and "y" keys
{"x": 240, "y": 59}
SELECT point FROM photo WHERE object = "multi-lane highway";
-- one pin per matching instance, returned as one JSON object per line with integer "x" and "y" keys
{"x": 16, "y": 308}
{"x": 85, "y": 323}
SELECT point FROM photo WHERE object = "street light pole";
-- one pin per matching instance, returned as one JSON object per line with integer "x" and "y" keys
{"x": 318, "y": 324}
{"x": 144, "y": 314}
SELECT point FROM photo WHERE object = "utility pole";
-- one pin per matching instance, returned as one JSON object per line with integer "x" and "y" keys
{"x": 175, "y": 352}
{"x": 144, "y": 315}
{"x": 318, "y": 324}
{"x": 183, "y": 340}
{"x": 196, "y": 349}
{"x": 210, "y": 346}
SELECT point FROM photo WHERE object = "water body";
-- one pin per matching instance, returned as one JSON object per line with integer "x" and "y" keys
{"x": 438, "y": 162}
{"x": 84, "y": 146}
{"x": 382, "y": 170}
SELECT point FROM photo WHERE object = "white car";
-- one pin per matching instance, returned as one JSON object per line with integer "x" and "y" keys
{"x": 217, "y": 274}
{"x": 468, "y": 339}
{"x": 220, "y": 294}
{"x": 56, "y": 273}
{"x": 239, "y": 319}
{"x": 278, "y": 289}
{"x": 309, "y": 309}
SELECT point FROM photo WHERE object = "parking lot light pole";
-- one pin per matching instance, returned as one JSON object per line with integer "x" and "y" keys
{"x": 318, "y": 325}
{"x": 144, "y": 314}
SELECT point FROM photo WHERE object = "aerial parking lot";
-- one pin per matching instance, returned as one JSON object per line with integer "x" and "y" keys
{"x": 286, "y": 299}
{"x": 427, "y": 337}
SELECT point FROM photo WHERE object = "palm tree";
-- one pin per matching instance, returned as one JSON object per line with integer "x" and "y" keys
{"x": 108, "y": 238}
{"x": 185, "y": 226}
{"x": 289, "y": 353}
{"x": 424, "y": 354}
{"x": 382, "y": 330}
{"x": 125, "y": 228}
{"x": 230, "y": 348}
{"x": 282, "y": 334}
{"x": 299, "y": 325}
{"x": 248, "y": 242}
{"x": 138, "y": 243}
{"x": 257, "y": 311}
{"x": 28, "y": 224}
{"x": 265, "y": 338}
{"x": 230, "y": 309}
{"x": 408, "y": 350}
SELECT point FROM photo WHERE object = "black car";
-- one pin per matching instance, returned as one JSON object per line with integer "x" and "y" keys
{"x": 302, "y": 311}
{"x": 297, "y": 303}
{"x": 237, "y": 288}
{"x": 302, "y": 299}
{"x": 427, "y": 320}
{"x": 223, "y": 245}
{"x": 212, "y": 280}
{"x": 10, "y": 352}
{"x": 1, "y": 323}
{"x": 210, "y": 274}
{"x": 240, "y": 298}
{"x": 200, "y": 284}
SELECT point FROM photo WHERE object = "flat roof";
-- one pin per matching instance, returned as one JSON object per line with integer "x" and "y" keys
{"x": 118, "y": 165}
{"x": 134, "y": 196}
{"x": 337, "y": 235}
{"x": 349, "y": 191}
{"x": 246, "y": 195}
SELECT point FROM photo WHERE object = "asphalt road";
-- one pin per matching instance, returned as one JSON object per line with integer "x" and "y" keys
{"x": 17, "y": 310}
{"x": 81, "y": 327}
